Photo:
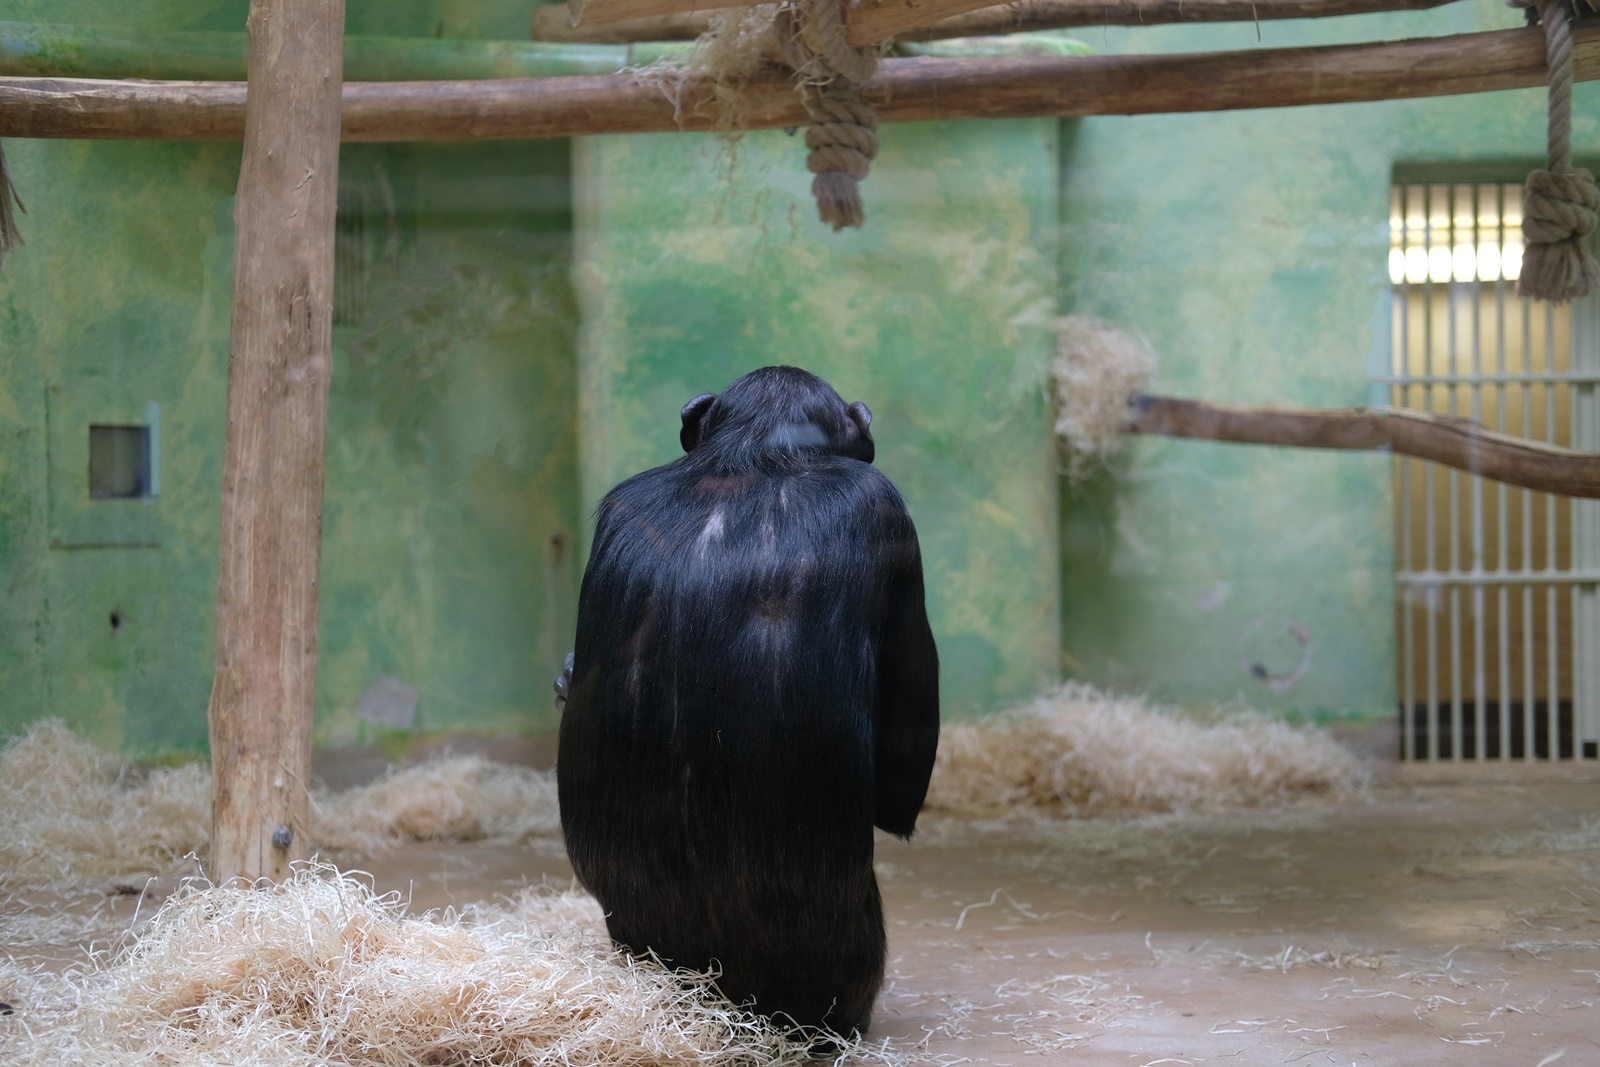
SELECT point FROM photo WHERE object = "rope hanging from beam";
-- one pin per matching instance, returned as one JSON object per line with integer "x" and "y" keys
{"x": 843, "y": 135}
{"x": 1561, "y": 203}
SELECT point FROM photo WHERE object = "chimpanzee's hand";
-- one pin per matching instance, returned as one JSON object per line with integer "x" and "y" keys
{"x": 563, "y": 684}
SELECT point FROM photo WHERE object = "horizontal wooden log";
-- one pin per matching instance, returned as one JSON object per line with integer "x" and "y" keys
{"x": 54, "y": 50}
{"x": 595, "y": 12}
{"x": 1030, "y": 15}
{"x": 877, "y": 21}
{"x": 905, "y": 90}
{"x": 1457, "y": 443}
{"x": 552, "y": 23}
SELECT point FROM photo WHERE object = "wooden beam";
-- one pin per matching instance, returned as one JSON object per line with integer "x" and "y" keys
{"x": 905, "y": 90}
{"x": 55, "y": 50}
{"x": 595, "y": 12}
{"x": 553, "y": 23}
{"x": 1456, "y": 443}
{"x": 873, "y": 21}
{"x": 876, "y": 20}
{"x": 280, "y": 359}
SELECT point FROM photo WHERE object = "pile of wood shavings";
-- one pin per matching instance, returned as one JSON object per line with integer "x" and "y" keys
{"x": 71, "y": 819}
{"x": 1077, "y": 752}
{"x": 321, "y": 970}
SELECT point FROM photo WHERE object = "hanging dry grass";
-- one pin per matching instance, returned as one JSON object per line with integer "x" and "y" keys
{"x": 1098, "y": 370}
{"x": 320, "y": 970}
{"x": 737, "y": 45}
{"x": 1078, "y": 752}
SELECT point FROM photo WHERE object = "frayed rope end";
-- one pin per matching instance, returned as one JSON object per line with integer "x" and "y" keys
{"x": 838, "y": 197}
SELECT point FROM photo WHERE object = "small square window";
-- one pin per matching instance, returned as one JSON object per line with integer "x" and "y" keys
{"x": 119, "y": 462}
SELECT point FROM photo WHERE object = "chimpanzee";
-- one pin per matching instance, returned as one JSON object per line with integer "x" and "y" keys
{"x": 754, "y": 687}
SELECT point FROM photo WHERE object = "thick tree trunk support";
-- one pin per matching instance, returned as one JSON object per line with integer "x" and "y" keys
{"x": 279, "y": 361}
{"x": 904, "y": 90}
{"x": 1457, "y": 443}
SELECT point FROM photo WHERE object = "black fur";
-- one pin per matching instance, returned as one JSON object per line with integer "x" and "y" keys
{"x": 754, "y": 687}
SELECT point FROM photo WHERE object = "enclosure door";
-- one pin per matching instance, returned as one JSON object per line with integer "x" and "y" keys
{"x": 1496, "y": 603}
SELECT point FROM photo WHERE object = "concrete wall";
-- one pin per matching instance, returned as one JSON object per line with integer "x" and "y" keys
{"x": 472, "y": 428}
{"x": 937, "y": 315}
{"x": 1251, "y": 248}
{"x": 452, "y": 504}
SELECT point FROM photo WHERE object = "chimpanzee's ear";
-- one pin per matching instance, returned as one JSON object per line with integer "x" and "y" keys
{"x": 693, "y": 412}
{"x": 857, "y": 434}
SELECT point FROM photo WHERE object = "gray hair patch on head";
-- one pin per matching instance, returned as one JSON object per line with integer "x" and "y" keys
{"x": 797, "y": 435}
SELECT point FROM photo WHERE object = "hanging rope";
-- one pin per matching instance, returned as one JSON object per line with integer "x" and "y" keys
{"x": 1560, "y": 204}
{"x": 10, "y": 204}
{"x": 843, "y": 135}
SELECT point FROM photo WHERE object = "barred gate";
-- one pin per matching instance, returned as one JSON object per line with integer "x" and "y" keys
{"x": 1497, "y": 588}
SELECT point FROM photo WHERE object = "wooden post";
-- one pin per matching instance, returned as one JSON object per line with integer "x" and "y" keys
{"x": 279, "y": 361}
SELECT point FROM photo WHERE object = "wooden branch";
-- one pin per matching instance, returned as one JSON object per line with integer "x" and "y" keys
{"x": 53, "y": 50}
{"x": 1456, "y": 443}
{"x": 905, "y": 90}
{"x": 553, "y": 23}
{"x": 280, "y": 358}
{"x": 594, "y": 12}
{"x": 927, "y": 20}
{"x": 869, "y": 23}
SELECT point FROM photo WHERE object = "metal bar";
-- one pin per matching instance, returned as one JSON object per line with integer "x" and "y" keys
{"x": 1573, "y": 377}
{"x": 1453, "y": 400}
{"x": 1585, "y": 536}
{"x": 1502, "y": 532}
{"x": 1401, "y": 365}
{"x": 1552, "y": 700}
{"x": 1465, "y": 579}
{"x": 1429, "y": 500}
{"x": 1480, "y": 681}
{"x": 1528, "y": 686}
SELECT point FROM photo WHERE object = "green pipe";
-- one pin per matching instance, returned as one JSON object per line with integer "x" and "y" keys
{"x": 42, "y": 49}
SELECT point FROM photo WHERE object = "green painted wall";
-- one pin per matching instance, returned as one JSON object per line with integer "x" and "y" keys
{"x": 695, "y": 266}
{"x": 1251, "y": 250}
{"x": 451, "y": 486}
{"x": 474, "y": 423}
{"x": 118, "y": 301}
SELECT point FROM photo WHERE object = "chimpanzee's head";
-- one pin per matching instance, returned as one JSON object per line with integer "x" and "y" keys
{"x": 778, "y": 408}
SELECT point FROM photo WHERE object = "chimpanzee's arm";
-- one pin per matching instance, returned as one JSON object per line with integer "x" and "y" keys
{"x": 908, "y": 689}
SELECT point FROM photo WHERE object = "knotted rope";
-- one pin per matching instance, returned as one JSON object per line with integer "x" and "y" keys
{"x": 10, "y": 204}
{"x": 843, "y": 135}
{"x": 1560, "y": 204}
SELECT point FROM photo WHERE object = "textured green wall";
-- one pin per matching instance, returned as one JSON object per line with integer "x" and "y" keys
{"x": 695, "y": 267}
{"x": 1251, "y": 250}
{"x": 118, "y": 300}
{"x": 451, "y": 485}
{"x": 1249, "y": 247}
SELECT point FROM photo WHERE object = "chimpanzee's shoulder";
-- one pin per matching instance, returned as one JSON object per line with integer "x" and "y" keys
{"x": 866, "y": 481}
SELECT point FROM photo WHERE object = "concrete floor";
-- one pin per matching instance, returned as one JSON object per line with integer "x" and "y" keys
{"x": 1452, "y": 916}
{"x": 1449, "y": 916}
